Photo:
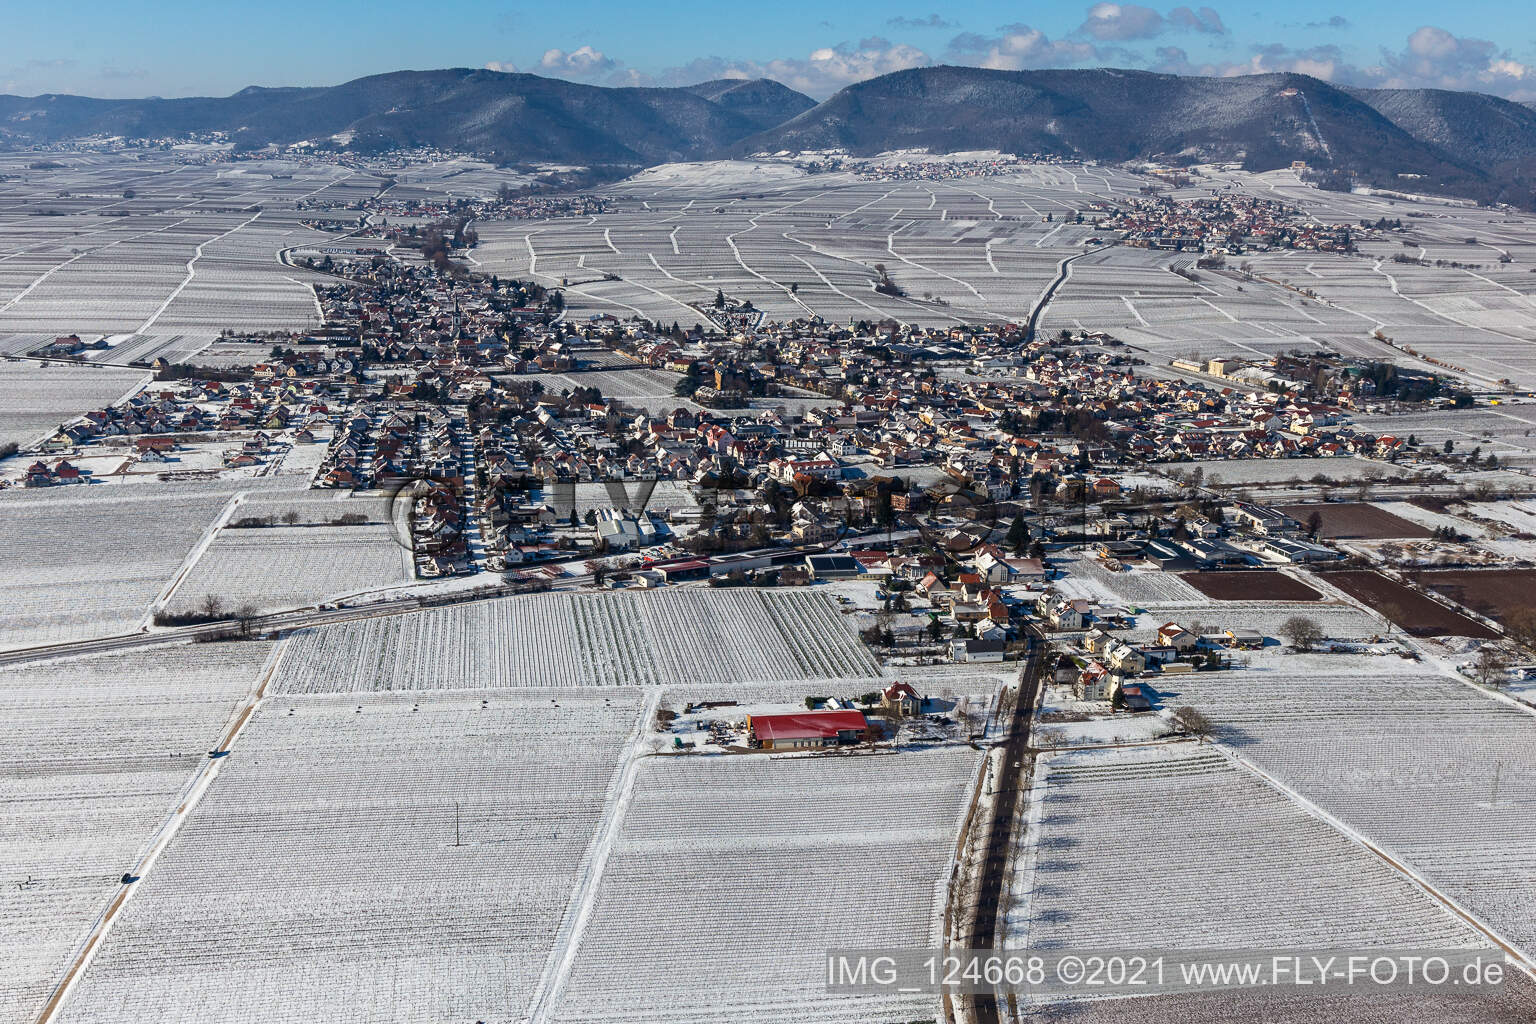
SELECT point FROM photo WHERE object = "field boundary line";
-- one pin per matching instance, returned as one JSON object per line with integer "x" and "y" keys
{"x": 562, "y": 957}
{"x": 191, "y": 273}
{"x": 162, "y": 837}
{"x": 192, "y": 558}
{"x": 1522, "y": 959}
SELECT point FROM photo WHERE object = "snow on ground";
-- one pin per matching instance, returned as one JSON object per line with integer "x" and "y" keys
{"x": 1271, "y": 471}
{"x": 1131, "y": 587}
{"x": 1432, "y": 520}
{"x": 1439, "y": 773}
{"x": 1065, "y": 721}
{"x": 36, "y": 399}
{"x": 1220, "y": 860}
{"x": 95, "y": 755}
{"x": 276, "y": 568}
{"x": 94, "y": 558}
{"x": 676, "y": 635}
{"x": 376, "y": 857}
{"x": 1519, "y": 516}
{"x": 732, "y": 876}
{"x": 1338, "y": 620}
{"x": 93, "y": 562}
{"x": 716, "y": 172}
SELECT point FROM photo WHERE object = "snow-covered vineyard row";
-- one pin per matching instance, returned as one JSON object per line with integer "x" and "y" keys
{"x": 94, "y": 561}
{"x": 95, "y": 755}
{"x": 732, "y": 875}
{"x": 279, "y": 567}
{"x": 1340, "y": 621}
{"x": 1437, "y": 773}
{"x": 389, "y": 857}
{"x": 1228, "y": 862}
{"x": 666, "y": 637}
{"x": 185, "y": 253}
{"x": 96, "y": 558}
{"x": 34, "y": 399}
{"x": 1088, "y": 578}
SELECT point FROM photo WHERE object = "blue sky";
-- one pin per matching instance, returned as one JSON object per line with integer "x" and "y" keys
{"x": 181, "y": 48}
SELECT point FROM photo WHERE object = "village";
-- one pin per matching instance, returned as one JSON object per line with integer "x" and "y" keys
{"x": 896, "y": 548}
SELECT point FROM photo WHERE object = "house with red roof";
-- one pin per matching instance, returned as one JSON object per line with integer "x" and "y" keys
{"x": 806, "y": 730}
{"x": 902, "y": 699}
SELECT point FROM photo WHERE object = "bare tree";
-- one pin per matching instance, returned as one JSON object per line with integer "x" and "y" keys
{"x": 1304, "y": 633}
{"x": 1520, "y": 626}
{"x": 213, "y": 607}
{"x": 1490, "y": 667}
{"x": 291, "y": 517}
{"x": 1050, "y": 738}
{"x": 1191, "y": 722}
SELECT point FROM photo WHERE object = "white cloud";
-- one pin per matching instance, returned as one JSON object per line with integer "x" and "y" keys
{"x": 1019, "y": 47}
{"x": 1435, "y": 58}
{"x": 582, "y": 62}
{"x": 1119, "y": 22}
{"x": 501, "y": 65}
{"x": 830, "y": 68}
{"x": 1203, "y": 19}
{"x": 932, "y": 21}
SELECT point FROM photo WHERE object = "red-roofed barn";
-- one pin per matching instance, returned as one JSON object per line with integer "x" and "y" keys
{"x": 805, "y": 730}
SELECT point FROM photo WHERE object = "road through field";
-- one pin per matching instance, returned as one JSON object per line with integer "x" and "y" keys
{"x": 1000, "y": 838}
{"x": 557, "y": 970}
{"x": 161, "y": 840}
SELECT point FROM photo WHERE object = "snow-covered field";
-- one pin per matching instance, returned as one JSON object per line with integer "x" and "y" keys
{"x": 1437, "y": 772}
{"x": 191, "y": 252}
{"x": 35, "y": 399}
{"x": 319, "y": 878}
{"x": 1132, "y": 587}
{"x": 1219, "y": 860}
{"x": 1432, "y": 520}
{"x": 717, "y": 172}
{"x": 732, "y": 876}
{"x": 558, "y": 640}
{"x": 95, "y": 755}
{"x": 1269, "y": 471}
{"x": 90, "y": 560}
{"x": 279, "y": 567}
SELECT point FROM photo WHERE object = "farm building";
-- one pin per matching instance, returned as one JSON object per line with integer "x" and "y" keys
{"x": 805, "y": 730}
{"x": 1293, "y": 550}
{"x": 688, "y": 569}
{"x": 833, "y": 567}
{"x": 1263, "y": 519}
{"x": 1168, "y": 556}
{"x": 1245, "y": 638}
{"x": 1135, "y": 697}
{"x": 972, "y": 651}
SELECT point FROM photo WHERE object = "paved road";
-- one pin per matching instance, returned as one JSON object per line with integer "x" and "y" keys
{"x": 300, "y": 618}
{"x": 1050, "y": 289}
{"x": 1000, "y": 838}
{"x": 261, "y": 624}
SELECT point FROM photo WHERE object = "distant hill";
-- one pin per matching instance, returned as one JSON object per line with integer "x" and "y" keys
{"x": 760, "y": 99}
{"x": 1470, "y": 124}
{"x": 508, "y": 116}
{"x": 1458, "y": 143}
{"x": 1454, "y": 141}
